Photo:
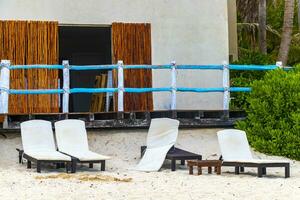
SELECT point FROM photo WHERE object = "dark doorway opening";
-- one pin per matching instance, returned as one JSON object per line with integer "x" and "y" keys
{"x": 83, "y": 45}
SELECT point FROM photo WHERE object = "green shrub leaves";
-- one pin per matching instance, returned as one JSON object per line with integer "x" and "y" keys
{"x": 273, "y": 114}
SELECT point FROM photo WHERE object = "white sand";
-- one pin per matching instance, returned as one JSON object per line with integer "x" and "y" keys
{"x": 17, "y": 182}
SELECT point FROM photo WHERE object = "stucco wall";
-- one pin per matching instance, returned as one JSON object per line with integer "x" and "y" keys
{"x": 188, "y": 31}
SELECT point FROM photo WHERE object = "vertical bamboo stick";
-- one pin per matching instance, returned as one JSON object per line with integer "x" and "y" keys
{"x": 226, "y": 85}
{"x": 4, "y": 85}
{"x": 173, "y": 86}
{"x": 120, "y": 86}
{"x": 66, "y": 86}
{"x": 279, "y": 64}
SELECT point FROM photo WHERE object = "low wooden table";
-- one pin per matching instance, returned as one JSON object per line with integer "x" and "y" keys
{"x": 205, "y": 163}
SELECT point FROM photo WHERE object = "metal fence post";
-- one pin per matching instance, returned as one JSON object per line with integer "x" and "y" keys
{"x": 226, "y": 86}
{"x": 120, "y": 86}
{"x": 66, "y": 85}
{"x": 4, "y": 86}
{"x": 173, "y": 86}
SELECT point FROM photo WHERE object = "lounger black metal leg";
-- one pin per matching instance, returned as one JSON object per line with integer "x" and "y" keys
{"x": 173, "y": 164}
{"x": 259, "y": 171}
{"x": 242, "y": 169}
{"x": 287, "y": 171}
{"x": 38, "y": 167}
{"x": 20, "y": 157}
{"x": 68, "y": 167}
{"x": 264, "y": 170}
{"x": 28, "y": 164}
{"x": 102, "y": 165}
{"x": 91, "y": 165}
{"x": 182, "y": 162}
{"x": 237, "y": 170}
{"x": 73, "y": 165}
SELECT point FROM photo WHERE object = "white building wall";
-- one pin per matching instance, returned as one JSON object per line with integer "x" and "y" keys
{"x": 188, "y": 31}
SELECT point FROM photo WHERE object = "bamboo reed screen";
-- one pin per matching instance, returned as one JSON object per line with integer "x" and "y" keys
{"x": 132, "y": 44}
{"x": 31, "y": 42}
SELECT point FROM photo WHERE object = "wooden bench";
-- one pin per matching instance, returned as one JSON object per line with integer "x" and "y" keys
{"x": 204, "y": 163}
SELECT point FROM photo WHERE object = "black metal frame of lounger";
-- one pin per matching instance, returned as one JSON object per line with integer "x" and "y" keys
{"x": 70, "y": 165}
{"x": 176, "y": 154}
{"x": 91, "y": 162}
{"x": 261, "y": 167}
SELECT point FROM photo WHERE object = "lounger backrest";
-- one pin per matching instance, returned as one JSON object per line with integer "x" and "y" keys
{"x": 234, "y": 145}
{"x": 71, "y": 135}
{"x": 162, "y": 132}
{"x": 37, "y": 135}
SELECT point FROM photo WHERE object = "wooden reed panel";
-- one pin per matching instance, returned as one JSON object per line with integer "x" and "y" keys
{"x": 132, "y": 43}
{"x": 13, "y": 42}
{"x": 53, "y": 59}
{"x": 42, "y": 49}
{"x": 28, "y": 42}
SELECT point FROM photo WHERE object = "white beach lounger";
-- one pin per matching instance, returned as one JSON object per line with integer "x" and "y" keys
{"x": 236, "y": 152}
{"x": 38, "y": 144}
{"x": 162, "y": 135}
{"x": 71, "y": 138}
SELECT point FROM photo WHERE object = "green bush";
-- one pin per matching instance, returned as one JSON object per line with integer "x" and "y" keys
{"x": 245, "y": 78}
{"x": 273, "y": 115}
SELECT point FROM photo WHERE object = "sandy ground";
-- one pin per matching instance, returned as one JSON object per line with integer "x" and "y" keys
{"x": 17, "y": 182}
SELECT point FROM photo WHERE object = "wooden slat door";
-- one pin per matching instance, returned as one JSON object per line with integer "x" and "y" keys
{"x": 131, "y": 43}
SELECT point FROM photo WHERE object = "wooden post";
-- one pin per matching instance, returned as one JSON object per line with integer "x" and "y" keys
{"x": 279, "y": 64}
{"x": 120, "y": 86}
{"x": 173, "y": 86}
{"x": 66, "y": 85}
{"x": 226, "y": 86}
{"x": 4, "y": 86}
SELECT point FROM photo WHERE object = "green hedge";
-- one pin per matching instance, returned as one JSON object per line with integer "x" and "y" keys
{"x": 273, "y": 114}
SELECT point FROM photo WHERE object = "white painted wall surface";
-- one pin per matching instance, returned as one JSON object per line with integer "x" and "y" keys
{"x": 188, "y": 31}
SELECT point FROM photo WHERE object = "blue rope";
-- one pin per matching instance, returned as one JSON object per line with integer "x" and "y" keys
{"x": 200, "y": 90}
{"x": 253, "y": 67}
{"x": 110, "y": 67}
{"x": 147, "y": 66}
{"x": 93, "y": 90}
{"x": 209, "y": 67}
{"x": 93, "y": 67}
{"x": 240, "y": 89}
{"x": 141, "y": 90}
{"x": 14, "y": 67}
{"x": 129, "y": 90}
{"x": 39, "y": 91}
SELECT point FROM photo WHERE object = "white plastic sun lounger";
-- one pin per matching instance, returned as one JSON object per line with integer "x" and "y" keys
{"x": 71, "y": 137}
{"x": 162, "y": 135}
{"x": 38, "y": 144}
{"x": 236, "y": 152}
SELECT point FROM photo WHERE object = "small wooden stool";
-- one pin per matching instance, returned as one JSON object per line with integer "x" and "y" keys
{"x": 204, "y": 163}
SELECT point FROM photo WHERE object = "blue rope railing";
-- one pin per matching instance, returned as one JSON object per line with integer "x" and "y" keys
{"x": 92, "y": 90}
{"x": 128, "y": 90}
{"x": 38, "y": 91}
{"x": 110, "y": 67}
{"x": 138, "y": 90}
{"x": 16, "y": 67}
{"x": 253, "y": 67}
